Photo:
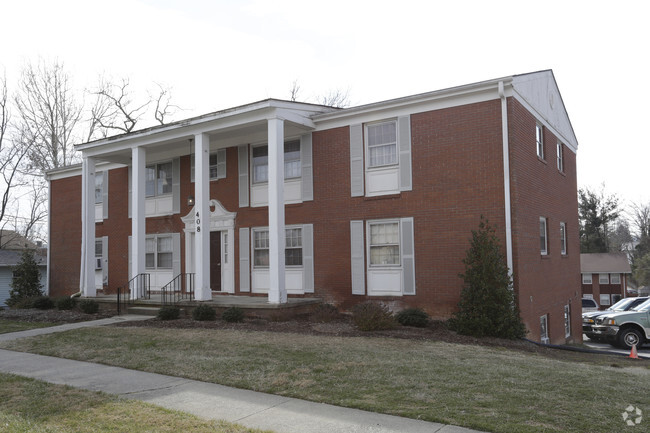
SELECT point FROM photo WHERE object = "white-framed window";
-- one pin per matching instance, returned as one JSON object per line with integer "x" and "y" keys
{"x": 567, "y": 320}
{"x": 543, "y": 238}
{"x": 159, "y": 252}
{"x": 604, "y": 299}
{"x": 217, "y": 165}
{"x": 615, "y": 278}
{"x": 381, "y": 144}
{"x": 603, "y": 278}
{"x": 99, "y": 254}
{"x": 563, "y": 238}
{"x": 539, "y": 139}
{"x": 224, "y": 235}
{"x": 560, "y": 157}
{"x": 292, "y": 250}
{"x": 383, "y": 243}
{"x": 260, "y": 162}
{"x": 158, "y": 179}
{"x": 99, "y": 187}
{"x": 586, "y": 279}
{"x": 543, "y": 329}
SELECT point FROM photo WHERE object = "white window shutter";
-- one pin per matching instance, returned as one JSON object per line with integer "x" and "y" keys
{"x": 130, "y": 259}
{"x": 308, "y": 258}
{"x": 307, "y": 167}
{"x": 105, "y": 259}
{"x": 192, "y": 169}
{"x": 130, "y": 192}
{"x": 404, "y": 131}
{"x": 105, "y": 194}
{"x": 356, "y": 161}
{"x": 221, "y": 164}
{"x": 357, "y": 254}
{"x": 176, "y": 254}
{"x": 408, "y": 256}
{"x": 243, "y": 175}
{"x": 176, "y": 185}
{"x": 244, "y": 260}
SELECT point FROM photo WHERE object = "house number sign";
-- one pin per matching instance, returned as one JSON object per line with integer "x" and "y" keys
{"x": 198, "y": 223}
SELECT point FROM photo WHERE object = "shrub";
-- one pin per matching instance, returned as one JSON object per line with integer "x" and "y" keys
{"x": 324, "y": 313}
{"x": 23, "y": 303}
{"x": 65, "y": 303}
{"x": 169, "y": 312}
{"x": 372, "y": 316}
{"x": 43, "y": 303}
{"x": 88, "y": 306}
{"x": 26, "y": 282}
{"x": 487, "y": 304}
{"x": 413, "y": 317}
{"x": 204, "y": 312}
{"x": 233, "y": 314}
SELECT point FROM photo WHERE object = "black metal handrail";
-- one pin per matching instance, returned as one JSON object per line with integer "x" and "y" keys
{"x": 138, "y": 287}
{"x": 180, "y": 288}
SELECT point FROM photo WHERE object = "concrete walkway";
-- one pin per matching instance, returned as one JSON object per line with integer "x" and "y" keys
{"x": 206, "y": 400}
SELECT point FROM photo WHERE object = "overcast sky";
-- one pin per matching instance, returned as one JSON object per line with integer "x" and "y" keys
{"x": 219, "y": 54}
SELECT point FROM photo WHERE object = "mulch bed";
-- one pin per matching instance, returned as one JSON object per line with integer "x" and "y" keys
{"x": 51, "y": 316}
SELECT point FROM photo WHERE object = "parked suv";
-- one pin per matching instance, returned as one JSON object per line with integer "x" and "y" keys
{"x": 625, "y": 329}
{"x": 589, "y": 319}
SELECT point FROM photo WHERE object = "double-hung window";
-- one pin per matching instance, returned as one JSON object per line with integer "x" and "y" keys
{"x": 384, "y": 243}
{"x": 99, "y": 187}
{"x": 603, "y": 278}
{"x": 382, "y": 144}
{"x": 539, "y": 139}
{"x": 560, "y": 157}
{"x": 563, "y": 238}
{"x": 615, "y": 278}
{"x": 98, "y": 254}
{"x": 159, "y": 252}
{"x": 587, "y": 279}
{"x": 292, "y": 166}
{"x": 543, "y": 239}
{"x": 158, "y": 179}
{"x": 217, "y": 165}
{"x": 292, "y": 251}
{"x": 567, "y": 320}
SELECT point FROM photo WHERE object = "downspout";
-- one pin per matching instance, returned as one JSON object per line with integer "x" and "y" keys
{"x": 506, "y": 174}
{"x": 49, "y": 233}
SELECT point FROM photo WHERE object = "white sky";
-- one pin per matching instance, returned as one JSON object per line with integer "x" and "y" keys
{"x": 219, "y": 54}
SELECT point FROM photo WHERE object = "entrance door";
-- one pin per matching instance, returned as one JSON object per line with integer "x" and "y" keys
{"x": 215, "y": 261}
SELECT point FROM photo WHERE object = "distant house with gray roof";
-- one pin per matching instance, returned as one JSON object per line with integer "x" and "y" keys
{"x": 12, "y": 249}
{"x": 604, "y": 277}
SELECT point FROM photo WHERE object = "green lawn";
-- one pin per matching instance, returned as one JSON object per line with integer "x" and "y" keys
{"x": 489, "y": 389}
{"x": 15, "y": 325}
{"x": 28, "y": 405}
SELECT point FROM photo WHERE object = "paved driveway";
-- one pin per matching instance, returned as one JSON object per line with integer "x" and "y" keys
{"x": 644, "y": 351}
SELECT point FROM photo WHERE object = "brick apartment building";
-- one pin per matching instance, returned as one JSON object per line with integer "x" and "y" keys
{"x": 604, "y": 277}
{"x": 370, "y": 202}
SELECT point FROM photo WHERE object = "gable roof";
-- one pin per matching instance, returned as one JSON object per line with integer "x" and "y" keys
{"x": 12, "y": 258}
{"x": 10, "y": 240}
{"x": 604, "y": 263}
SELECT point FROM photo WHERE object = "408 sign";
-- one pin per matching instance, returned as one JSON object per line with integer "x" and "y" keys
{"x": 198, "y": 223}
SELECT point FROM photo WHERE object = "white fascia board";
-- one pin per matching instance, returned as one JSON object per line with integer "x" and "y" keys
{"x": 457, "y": 96}
{"x": 75, "y": 170}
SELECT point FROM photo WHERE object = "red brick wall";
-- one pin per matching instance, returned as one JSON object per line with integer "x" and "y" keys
{"x": 538, "y": 189}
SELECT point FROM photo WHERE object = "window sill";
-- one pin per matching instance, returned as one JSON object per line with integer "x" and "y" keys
{"x": 542, "y": 160}
{"x": 390, "y": 195}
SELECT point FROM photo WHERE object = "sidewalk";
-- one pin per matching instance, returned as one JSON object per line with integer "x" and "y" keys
{"x": 206, "y": 400}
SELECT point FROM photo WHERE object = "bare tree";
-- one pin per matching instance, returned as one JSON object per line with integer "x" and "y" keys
{"x": 49, "y": 115}
{"x": 294, "y": 91}
{"x": 114, "y": 109}
{"x": 164, "y": 107}
{"x": 640, "y": 216}
{"x": 336, "y": 98}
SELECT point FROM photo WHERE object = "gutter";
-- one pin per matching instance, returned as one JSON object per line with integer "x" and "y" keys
{"x": 506, "y": 174}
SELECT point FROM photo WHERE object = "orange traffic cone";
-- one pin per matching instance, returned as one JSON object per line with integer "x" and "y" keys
{"x": 633, "y": 353}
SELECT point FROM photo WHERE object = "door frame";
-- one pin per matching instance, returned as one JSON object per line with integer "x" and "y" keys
{"x": 220, "y": 221}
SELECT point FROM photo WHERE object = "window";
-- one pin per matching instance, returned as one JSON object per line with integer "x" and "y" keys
{"x": 603, "y": 278}
{"x": 292, "y": 165}
{"x": 563, "y": 238}
{"x": 543, "y": 245}
{"x": 543, "y": 329}
{"x": 292, "y": 251}
{"x": 539, "y": 137}
{"x": 217, "y": 159}
{"x": 560, "y": 157}
{"x": 99, "y": 187}
{"x": 98, "y": 254}
{"x": 586, "y": 279}
{"x": 567, "y": 320}
{"x": 158, "y": 179}
{"x": 159, "y": 252}
{"x": 384, "y": 243}
{"x": 382, "y": 144}
{"x": 615, "y": 278}
{"x": 225, "y": 247}
{"x": 604, "y": 299}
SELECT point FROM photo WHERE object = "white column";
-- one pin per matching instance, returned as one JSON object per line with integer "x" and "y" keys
{"x": 138, "y": 222}
{"x": 87, "y": 277}
{"x": 277, "y": 288}
{"x": 202, "y": 291}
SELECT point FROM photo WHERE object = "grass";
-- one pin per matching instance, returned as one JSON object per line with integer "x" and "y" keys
{"x": 16, "y": 325}
{"x": 28, "y": 405}
{"x": 489, "y": 389}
